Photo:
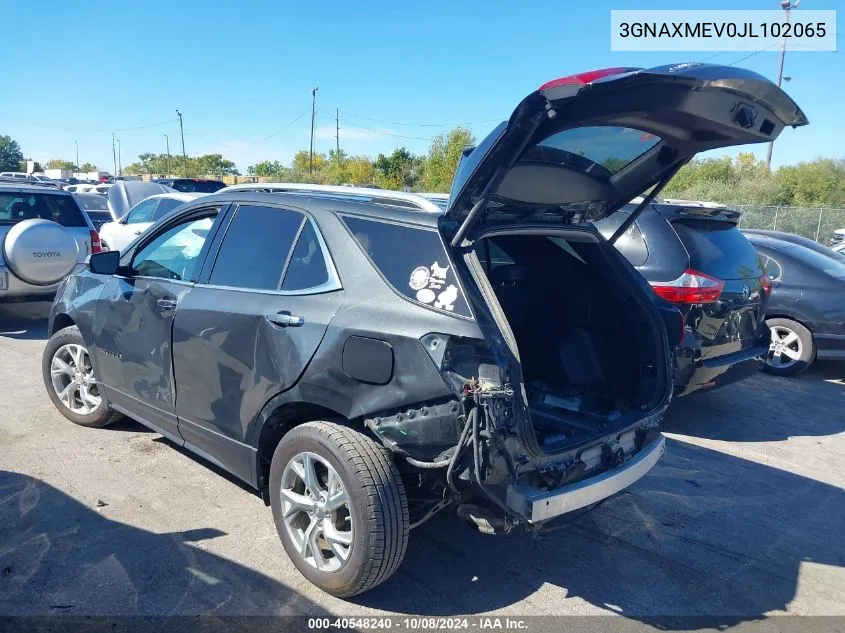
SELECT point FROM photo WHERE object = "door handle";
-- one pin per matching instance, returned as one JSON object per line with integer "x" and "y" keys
{"x": 284, "y": 319}
{"x": 137, "y": 232}
{"x": 166, "y": 304}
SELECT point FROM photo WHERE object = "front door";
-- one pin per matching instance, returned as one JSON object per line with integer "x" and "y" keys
{"x": 133, "y": 332}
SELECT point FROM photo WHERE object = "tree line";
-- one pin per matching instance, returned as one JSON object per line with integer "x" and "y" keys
{"x": 742, "y": 179}
{"x": 401, "y": 169}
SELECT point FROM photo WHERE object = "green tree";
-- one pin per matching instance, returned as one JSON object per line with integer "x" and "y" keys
{"x": 301, "y": 161}
{"x": 814, "y": 183}
{"x": 10, "y": 154}
{"x": 273, "y": 169}
{"x": 87, "y": 167}
{"x": 399, "y": 170}
{"x": 443, "y": 157}
{"x": 213, "y": 165}
{"x": 58, "y": 163}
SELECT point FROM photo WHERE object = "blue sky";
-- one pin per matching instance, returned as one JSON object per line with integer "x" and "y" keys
{"x": 243, "y": 72}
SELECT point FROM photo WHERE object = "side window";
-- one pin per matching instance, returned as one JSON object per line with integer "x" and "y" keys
{"x": 631, "y": 244}
{"x": 142, "y": 212}
{"x": 175, "y": 253}
{"x": 773, "y": 269}
{"x": 256, "y": 247}
{"x": 307, "y": 267}
{"x": 165, "y": 206}
{"x": 414, "y": 262}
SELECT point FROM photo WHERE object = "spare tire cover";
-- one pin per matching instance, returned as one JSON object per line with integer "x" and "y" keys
{"x": 40, "y": 252}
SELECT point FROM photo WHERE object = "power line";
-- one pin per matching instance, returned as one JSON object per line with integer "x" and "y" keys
{"x": 364, "y": 118}
{"x": 84, "y": 129}
{"x": 369, "y": 129}
{"x": 264, "y": 140}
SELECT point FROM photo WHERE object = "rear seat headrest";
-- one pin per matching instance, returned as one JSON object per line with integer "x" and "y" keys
{"x": 508, "y": 274}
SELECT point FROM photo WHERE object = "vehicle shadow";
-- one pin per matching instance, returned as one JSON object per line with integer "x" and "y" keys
{"x": 704, "y": 534}
{"x": 24, "y": 321}
{"x": 58, "y": 556}
{"x": 764, "y": 408}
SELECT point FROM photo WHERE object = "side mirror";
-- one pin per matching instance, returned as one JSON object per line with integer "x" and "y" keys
{"x": 105, "y": 263}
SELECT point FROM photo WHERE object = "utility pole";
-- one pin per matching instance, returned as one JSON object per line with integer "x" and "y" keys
{"x": 113, "y": 153}
{"x": 167, "y": 142}
{"x": 184, "y": 155}
{"x": 119, "y": 163}
{"x": 787, "y": 6}
{"x": 337, "y": 134}
{"x": 77, "y": 156}
{"x": 313, "y": 114}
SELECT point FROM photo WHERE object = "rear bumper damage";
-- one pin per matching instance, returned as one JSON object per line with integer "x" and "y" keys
{"x": 540, "y": 505}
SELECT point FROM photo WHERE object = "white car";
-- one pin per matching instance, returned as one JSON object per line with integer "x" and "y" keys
{"x": 118, "y": 235}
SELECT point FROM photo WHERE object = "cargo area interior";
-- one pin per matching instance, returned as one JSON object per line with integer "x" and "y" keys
{"x": 588, "y": 349}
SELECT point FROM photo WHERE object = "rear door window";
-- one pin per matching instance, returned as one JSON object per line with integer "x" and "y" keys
{"x": 165, "y": 206}
{"x": 62, "y": 209}
{"x": 719, "y": 248}
{"x": 413, "y": 260}
{"x": 255, "y": 248}
{"x": 142, "y": 212}
{"x": 307, "y": 267}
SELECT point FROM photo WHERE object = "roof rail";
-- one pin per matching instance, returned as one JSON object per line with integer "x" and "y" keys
{"x": 381, "y": 196}
{"x": 6, "y": 180}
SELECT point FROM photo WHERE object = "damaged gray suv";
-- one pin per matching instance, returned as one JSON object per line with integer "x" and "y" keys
{"x": 365, "y": 359}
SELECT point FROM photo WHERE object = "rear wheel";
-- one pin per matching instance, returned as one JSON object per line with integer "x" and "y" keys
{"x": 69, "y": 378}
{"x": 339, "y": 507}
{"x": 792, "y": 348}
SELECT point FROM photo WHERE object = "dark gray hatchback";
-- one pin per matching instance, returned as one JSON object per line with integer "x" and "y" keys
{"x": 365, "y": 365}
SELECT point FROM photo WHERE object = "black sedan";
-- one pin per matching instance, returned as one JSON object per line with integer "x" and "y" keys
{"x": 806, "y": 311}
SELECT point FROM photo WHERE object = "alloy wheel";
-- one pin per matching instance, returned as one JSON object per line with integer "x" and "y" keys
{"x": 785, "y": 348}
{"x": 317, "y": 512}
{"x": 73, "y": 379}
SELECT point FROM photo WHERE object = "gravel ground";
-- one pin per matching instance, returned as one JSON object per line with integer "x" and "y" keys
{"x": 742, "y": 518}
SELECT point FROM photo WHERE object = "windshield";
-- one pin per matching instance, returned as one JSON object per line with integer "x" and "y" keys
{"x": 93, "y": 202}
{"x": 199, "y": 186}
{"x": 62, "y": 209}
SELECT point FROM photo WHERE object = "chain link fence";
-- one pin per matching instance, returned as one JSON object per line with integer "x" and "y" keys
{"x": 817, "y": 224}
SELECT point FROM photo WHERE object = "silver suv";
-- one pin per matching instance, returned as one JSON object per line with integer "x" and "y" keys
{"x": 44, "y": 236}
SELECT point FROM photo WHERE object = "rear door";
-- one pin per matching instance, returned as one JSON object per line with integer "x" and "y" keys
{"x": 249, "y": 328}
{"x": 580, "y": 147}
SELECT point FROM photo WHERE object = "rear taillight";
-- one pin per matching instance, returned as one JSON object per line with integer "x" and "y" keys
{"x": 766, "y": 284}
{"x": 96, "y": 245}
{"x": 691, "y": 287}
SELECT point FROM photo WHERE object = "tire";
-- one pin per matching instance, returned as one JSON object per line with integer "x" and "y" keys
{"x": 61, "y": 347}
{"x": 797, "y": 349}
{"x": 376, "y": 509}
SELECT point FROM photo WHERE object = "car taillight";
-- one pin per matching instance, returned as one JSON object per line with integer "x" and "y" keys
{"x": 96, "y": 245}
{"x": 582, "y": 79}
{"x": 691, "y": 287}
{"x": 766, "y": 284}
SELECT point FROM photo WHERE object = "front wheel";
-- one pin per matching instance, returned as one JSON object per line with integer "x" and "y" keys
{"x": 792, "y": 348}
{"x": 339, "y": 507}
{"x": 69, "y": 378}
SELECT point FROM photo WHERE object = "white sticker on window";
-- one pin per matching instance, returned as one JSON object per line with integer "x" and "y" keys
{"x": 429, "y": 281}
{"x": 419, "y": 278}
{"x": 446, "y": 299}
{"x": 426, "y": 296}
